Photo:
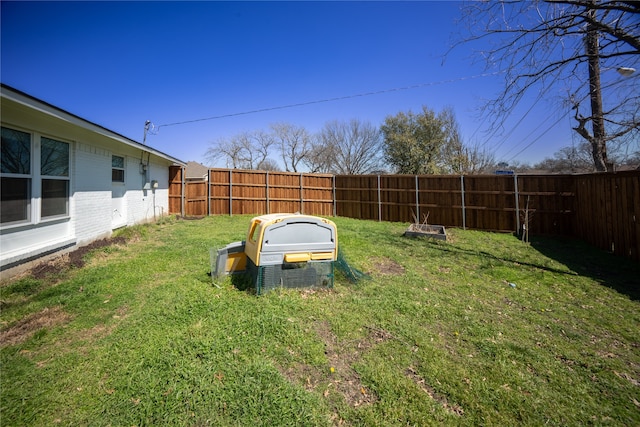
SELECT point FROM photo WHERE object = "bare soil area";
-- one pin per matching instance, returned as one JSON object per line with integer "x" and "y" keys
{"x": 26, "y": 327}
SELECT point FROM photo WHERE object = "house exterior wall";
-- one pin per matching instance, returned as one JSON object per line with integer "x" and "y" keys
{"x": 91, "y": 194}
{"x": 96, "y": 204}
{"x": 145, "y": 205}
{"x": 94, "y": 191}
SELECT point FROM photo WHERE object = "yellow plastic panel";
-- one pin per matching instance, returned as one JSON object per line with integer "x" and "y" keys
{"x": 236, "y": 262}
{"x": 297, "y": 257}
{"x": 321, "y": 256}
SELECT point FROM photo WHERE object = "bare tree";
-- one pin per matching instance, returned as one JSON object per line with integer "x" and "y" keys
{"x": 458, "y": 157}
{"x": 294, "y": 143}
{"x": 578, "y": 159}
{"x": 247, "y": 150}
{"x": 454, "y": 155}
{"x": 352, "y": 148}
{"x": 260, "y": 143}
{"x": 570, "y": 47}
{"x": 572, "y": 159}
{"x": 226, "y": 148}
{"x": 472, "y": 159}
{"x": 320, "y": 157}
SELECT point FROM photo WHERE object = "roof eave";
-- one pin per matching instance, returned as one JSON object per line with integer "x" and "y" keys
{"x": 47, "y": 108}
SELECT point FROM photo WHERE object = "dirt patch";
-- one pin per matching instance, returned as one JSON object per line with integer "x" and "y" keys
{"x": 101, "y": 330}
{"x": 28, "y": 326}
{"x": 339, "y": 377}
{"x": 189, "y": 218}
{"x": 72, "y": 259}
{"x": 430, "y": 391}
{"x": 387, "y": 267}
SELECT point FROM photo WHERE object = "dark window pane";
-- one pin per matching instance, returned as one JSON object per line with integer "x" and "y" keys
{"x": 117, "y": 162}
{"x": 117, "y": 175}
{"x": 55, "y": 197}
{"x": 54, "y": 157}
{"x": 16, "y": 199}
{"x": 16, "y": 152}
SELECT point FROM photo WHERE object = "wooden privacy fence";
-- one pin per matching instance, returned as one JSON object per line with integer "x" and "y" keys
{"x": 603, "y": 209}
{"x": 483, "y": 202}
{"x": 233, "y": 191}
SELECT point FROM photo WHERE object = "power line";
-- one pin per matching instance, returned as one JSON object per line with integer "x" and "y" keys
{"x": 536, "y": 140}
{"x": 321, "y": 101}
{"x": 515, "y": 126}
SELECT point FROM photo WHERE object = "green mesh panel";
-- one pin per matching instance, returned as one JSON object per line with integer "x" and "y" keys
{"x": 312, "y": 274}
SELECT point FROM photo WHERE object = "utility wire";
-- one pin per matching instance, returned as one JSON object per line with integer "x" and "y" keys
{"x": 321, "y": 101}
{"x": 540, "y": 124}
{"x": 537, "y": 139}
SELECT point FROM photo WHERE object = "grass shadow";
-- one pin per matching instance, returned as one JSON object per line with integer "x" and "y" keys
{"x": 615, "y": 272}
{"x": 611, "y": 271}
{"x": 243, "y": 282}
{"x": 471, "y": 252}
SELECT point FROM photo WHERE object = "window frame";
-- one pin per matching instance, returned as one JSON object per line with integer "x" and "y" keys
{"x": 36, "y": 186}
{"x": 118, "y": 169}
{"x": 28, "y": 177}
{"x": 61, "y": 178}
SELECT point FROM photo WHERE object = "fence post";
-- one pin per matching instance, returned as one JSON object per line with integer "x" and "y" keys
{"x": 267, "y": 192}
{"x": 230, "y": 192}
{"x": 333, "y": 184}
{"x": 515, "y": 183}
{"x": 209, "y": 193}
{"x": 379, "y": 201}
{"x": 464, "y": 213}
{"x": 301, "y": 196}
{"x": 182, "y": 191}
{"x": 417, "y": 202}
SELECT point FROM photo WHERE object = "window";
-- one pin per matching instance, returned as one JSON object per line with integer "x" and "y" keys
{"x": 16, "y": 199}
{"x": 32, "y": 171}
{"x": 117, "y": 169}
{"x": 54, "y": 169}
{"x": 16, "y": 176}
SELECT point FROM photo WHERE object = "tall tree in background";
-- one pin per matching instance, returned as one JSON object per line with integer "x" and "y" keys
{"x": 226, "y": 148}
{"x": 351, "y": 148}
{"x": 247, "y": 150}
{"x": 578, "y": 159}
{"x": 414, "y": 143}
{"x": 294, "y": 143}
{"x": 457, "y": 157}
{"x": 572, "y": 159}
{"x": 320, "y": 157}
{"x": 571, "y": 47}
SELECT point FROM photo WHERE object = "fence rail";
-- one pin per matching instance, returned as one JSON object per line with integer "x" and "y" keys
{"x": 603, "y": 209}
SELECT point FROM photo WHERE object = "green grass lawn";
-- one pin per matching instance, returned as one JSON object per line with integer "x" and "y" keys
{"x": 479, "y": 330}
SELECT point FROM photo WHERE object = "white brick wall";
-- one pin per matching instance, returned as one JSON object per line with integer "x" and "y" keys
{"x": 140, "y": 202}
{"x": 91, "y": 206}
{"x": 93, "y": 174}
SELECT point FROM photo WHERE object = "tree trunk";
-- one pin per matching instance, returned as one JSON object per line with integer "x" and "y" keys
{"x": 599, "y": 142}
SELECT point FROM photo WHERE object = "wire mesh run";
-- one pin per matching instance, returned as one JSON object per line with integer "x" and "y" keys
{"x": 311, "y": 274}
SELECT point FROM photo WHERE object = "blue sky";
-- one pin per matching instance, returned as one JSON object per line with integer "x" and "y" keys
{"x": 119, "y": 64}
